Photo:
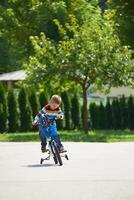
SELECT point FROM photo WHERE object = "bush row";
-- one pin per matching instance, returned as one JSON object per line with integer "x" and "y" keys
{"x": 118, "y": 114}
{"x": 18, "y": 108}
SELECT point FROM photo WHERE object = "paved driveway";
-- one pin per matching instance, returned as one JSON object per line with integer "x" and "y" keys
{"x": 95, "y": 171}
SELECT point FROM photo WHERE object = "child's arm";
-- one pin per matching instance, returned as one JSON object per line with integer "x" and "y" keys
{"x": 36, "y": 120}
{"x": 37, "y": 117}
{"x": 42, "y": 113}
{"x": 60, "y": 114}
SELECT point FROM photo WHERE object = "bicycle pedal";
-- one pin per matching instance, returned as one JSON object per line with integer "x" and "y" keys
{"x": 63, "y": 151}
{"x": 47, "y": 159}
{"x": 45, "y": 151}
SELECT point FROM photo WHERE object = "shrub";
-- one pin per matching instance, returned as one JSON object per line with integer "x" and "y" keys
{"x": 93, "y": 109}
{"x": 75, "y": 112}
{"x": 101, "y": 116}
{"x": 43, "y": 99}
{"x": 25, "y": 112}
{"x": 108, "y": 116}
{"x": 33, "y": 102}
{"x": 3, "y": 109}
{"x": 124, "y": 113}
{"x": 12, "y": 112}
{"x": 116, "y": 114}
{"x": 131, "y": 113}
{"x": 67, "y": 109}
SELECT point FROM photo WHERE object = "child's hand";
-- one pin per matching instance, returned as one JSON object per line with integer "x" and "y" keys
{"x": 34, "y": 123}
{"x": 59, "y": 116}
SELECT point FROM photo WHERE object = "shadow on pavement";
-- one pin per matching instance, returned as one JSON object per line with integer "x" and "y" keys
{"x": 39, "y": 165}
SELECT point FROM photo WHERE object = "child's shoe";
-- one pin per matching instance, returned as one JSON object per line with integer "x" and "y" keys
{"x": 43, "y": 148}
{"x": 62, "y": 150}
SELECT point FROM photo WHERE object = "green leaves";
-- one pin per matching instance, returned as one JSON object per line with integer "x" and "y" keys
{"x": 92, "y": 55}
{"x": 124, "y": 16}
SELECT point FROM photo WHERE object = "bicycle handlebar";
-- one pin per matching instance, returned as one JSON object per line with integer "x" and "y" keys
{"x": 57, "y": 116}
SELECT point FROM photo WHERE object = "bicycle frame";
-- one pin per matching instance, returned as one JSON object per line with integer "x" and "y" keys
{"x": 52, "y": 151}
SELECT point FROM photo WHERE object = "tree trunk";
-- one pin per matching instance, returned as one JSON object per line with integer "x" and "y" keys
{"x": 85, "y": 111}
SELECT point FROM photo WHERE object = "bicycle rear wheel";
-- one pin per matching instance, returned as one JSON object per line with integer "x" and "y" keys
{"x": 55, "y": 159}
{"x": 58, "y": 157}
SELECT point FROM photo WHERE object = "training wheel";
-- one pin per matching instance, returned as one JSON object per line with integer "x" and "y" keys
{"x": 41, "y": 161}
{"x": 66, "y": 156}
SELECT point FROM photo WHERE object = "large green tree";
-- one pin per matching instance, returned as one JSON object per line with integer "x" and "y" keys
{"x": 19, "y": 20}
{"x": 92, "y": 55}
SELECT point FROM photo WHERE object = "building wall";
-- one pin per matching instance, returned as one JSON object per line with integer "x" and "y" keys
{"x": 114, "y": 93}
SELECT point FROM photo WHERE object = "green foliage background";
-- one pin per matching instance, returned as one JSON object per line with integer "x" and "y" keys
{"x": 57, "y": 42}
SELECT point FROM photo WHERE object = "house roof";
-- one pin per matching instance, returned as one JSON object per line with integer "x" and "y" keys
{"x": 13, "y": 76}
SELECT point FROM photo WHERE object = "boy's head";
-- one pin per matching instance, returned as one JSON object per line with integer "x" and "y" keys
{"x": 55, "y": 101}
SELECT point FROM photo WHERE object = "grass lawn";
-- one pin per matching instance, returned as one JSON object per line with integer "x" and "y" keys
{"x": 73, "y": 136}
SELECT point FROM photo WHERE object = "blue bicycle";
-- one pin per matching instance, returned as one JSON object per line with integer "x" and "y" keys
{"x": 53, "y": 148}
{"x": 53, "y": 151}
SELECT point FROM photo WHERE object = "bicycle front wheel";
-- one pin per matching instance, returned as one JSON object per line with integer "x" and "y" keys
{"x": 57, "y": 154}
{"x": 54, "y": 154}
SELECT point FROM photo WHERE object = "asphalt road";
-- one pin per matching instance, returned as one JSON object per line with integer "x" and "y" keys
{"x": 95, "y": 171}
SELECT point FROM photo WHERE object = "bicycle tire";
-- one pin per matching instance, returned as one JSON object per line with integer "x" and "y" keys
{"x": 54, "y": 154}
{"x": 57, "y": 154}
{"x": 55, "y": 159}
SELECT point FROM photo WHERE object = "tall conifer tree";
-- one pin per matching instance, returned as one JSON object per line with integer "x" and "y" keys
{"x": 3, "y": 109}
{"x": 108, "y": 116}
{"x": 131, "y": 113}
{"x": 75, "y": 112}
{"x": 67, "y": 109}
{"x": 25, "y": 111}
{"x": 12, "y": 112}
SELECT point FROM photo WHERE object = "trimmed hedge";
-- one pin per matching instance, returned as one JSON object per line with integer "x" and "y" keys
{"x": 3, "y": 109}
{"x": 75, "y": 112}
{"x": 25, "y": 111}
{"x": 17, "y": 113}
{"x": 117, "y": 115}
{"x": 67, "y": 108}
{"x": 13, "y": 115}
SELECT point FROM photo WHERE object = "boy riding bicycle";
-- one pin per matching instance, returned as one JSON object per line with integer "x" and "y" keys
{"x": 46, "y": 119}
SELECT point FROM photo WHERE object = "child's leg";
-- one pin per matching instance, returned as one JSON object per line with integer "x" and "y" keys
{"x": 54, "y": 134}
{"x": 56, "y": 137}
{"x": 43, "y": 141}
{"x": 57, "y": 140}
{"x": 42, "y": 138}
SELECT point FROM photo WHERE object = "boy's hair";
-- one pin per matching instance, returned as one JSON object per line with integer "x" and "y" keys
{"x": 55, "y": 99}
